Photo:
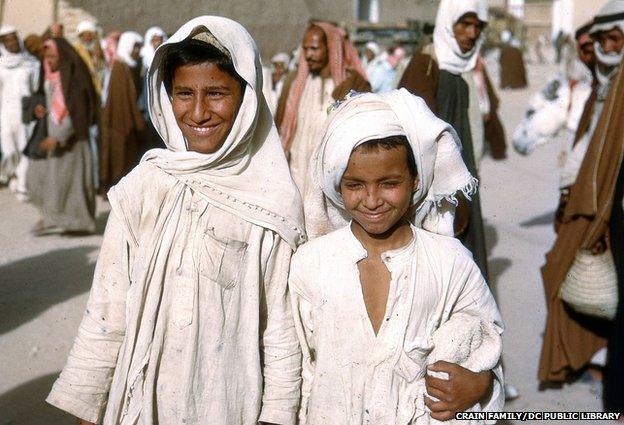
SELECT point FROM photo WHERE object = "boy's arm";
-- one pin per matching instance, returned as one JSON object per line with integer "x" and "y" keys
{"x": 83, "y": 386}
{"x": 279, "y": 345}
{"x": 465, "y": 388}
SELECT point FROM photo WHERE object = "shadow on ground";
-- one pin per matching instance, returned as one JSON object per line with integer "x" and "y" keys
{"x": 25, "y": 405}
{"x": 31, "y": 285}
{"x": 498, "y": 265}
{"x": 540, "y": 220}
{"x": 100, "y": 222}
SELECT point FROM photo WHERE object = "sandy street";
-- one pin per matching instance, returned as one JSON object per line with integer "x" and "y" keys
{"x": 44, "y": 282}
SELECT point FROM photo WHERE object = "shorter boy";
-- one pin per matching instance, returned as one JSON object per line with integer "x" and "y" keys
{"x": 380, "y": 299}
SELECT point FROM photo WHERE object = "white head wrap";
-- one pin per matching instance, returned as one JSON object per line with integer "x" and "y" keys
{"x": 86, "y": 26}
{"x": 281, "y": 57}
{"x": 447, "y": 50}
{"x": 365, "y": 117}
{"x": 505, "y": 36}
{"x": 248, "y": 175}
{"x": 147, "y": 51}
{"x": 9, "y": 60}
{"x": 373, "y": 47}
{"x": 610, "y": 16}
{"x": 126, "y": 44}
{"x": 6, "y": 30}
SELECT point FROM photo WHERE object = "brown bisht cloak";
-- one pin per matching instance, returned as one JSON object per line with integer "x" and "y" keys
{"x": 447, "y": 96}
{"x": 512, "y": 70}
{"x": 493, "y": 128}
{"x": 354, "y": 81}
{"x": 122, "y": 127}
{"x": 570, "y": 340}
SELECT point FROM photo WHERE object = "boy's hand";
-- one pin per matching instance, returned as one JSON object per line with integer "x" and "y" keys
{"x": 461, "y": 391}
{"x": 83, "y": 422}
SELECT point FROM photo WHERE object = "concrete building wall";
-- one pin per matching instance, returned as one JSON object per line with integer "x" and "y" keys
{"x": 276, "y": 25}
{"x": 28, "y": 16}
{"x": 400, "y": 10}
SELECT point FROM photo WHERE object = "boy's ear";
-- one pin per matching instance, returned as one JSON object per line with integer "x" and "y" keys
{"x": 416, "y": 182}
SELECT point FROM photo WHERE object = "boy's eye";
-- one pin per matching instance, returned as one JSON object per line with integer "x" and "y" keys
{"x": 184, "y": 93}
{"x": 215, "y": 94}
{"x": 390, "y": 183}
{"x": 352, "y": 185}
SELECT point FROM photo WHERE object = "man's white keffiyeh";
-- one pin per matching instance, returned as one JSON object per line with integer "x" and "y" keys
{"x": 365, "y": 117}
{"x": 610, "y": 16}
{"x": 127, "y": 41}
{"x": 447, "y": 50}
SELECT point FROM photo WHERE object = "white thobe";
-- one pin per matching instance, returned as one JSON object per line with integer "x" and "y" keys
{"x": 224, "y": 349}
{"x": 311, "y": 117}
{"x": 19, "y": 76}
{"x": 352, "y": 376}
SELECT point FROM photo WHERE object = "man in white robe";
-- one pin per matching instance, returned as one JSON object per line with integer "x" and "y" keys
{"x": 19, "y": 77}
{"x": 328, "y": 69}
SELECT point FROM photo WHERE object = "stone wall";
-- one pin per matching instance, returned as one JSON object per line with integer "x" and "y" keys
{"x": 276, "y": 25}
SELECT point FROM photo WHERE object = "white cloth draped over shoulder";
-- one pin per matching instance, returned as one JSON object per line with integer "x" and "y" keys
{"x": 369, "y": 116}
{"x": 449, "y": 55}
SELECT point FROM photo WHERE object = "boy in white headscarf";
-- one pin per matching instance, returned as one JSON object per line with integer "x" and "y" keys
{"x": 189, "y": 319}
{"x": 19, "y": 78}
{"x": 372, "y": 292}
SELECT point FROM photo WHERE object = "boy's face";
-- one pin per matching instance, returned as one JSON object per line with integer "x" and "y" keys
{"x": 377, "y": 188}
{"x": 205, "y": 103}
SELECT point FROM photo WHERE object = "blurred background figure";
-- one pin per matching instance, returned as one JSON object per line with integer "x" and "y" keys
{"x": 383, "y": 75}
{"x": 154, "y": 37}
{"x": 61, "y": 182}
{"x": 34, "y": 45}
{"x": 279, "y": 64}
{"x": 512, "y": 69}
{"x": 19, "y": 76}
{"x": 370, "y": 57}
{"x": 89, "y": 48}
{"x": 122, "y": 124}
{"x": 329, "y": 68}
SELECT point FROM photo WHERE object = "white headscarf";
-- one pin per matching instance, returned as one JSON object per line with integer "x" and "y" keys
{"x": 248, "y": 175}
{"x": 147, "y": 51}
{"x": 364, "y": 117}
{"x": 86, "y": 26}
{"x": 447, "y": 50}
{"x": 9, "y": 60}
{"x": 126, "y": 44}
{"x": 610, "y": 16}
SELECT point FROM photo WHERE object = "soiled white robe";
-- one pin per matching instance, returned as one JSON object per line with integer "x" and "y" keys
{"x": 311, "y": 117}
{"x": 352, "y": 376}
{"x": 222, "y": 272}
{"x": 189, "y": 318}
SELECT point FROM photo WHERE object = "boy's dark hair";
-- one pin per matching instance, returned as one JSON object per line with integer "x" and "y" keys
{"x": 393, "y": 142}
{"x": 193, "y": 52}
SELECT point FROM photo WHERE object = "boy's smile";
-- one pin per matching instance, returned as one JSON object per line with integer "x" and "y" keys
{"x": 377, "y": 188}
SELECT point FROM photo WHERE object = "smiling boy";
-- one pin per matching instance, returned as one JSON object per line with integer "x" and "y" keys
{"x": 368, "y": 297}
{"x": 189, "y": 320}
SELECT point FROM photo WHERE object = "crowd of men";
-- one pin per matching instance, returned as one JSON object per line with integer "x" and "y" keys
{"x": 372, "y": 145}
